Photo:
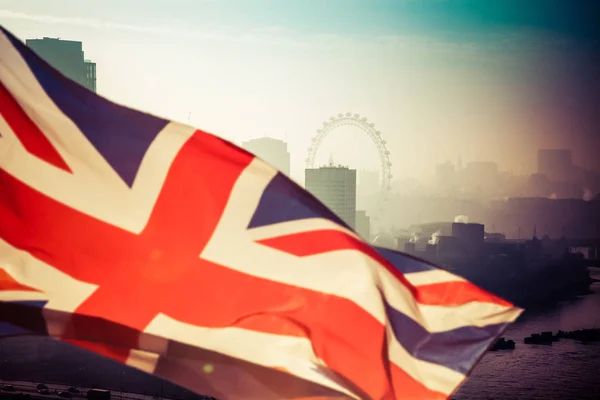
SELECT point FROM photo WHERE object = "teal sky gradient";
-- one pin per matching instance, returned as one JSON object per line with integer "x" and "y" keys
{"x": 570, "y": 19}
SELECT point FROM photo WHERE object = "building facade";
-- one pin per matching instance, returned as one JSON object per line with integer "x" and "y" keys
{"x": 90, "y": 75}
{"x": 335, "y": 186}
{"x": 273, "y": 151}
{"x": 66, "y": 56}
{"x": 363, "y": 225}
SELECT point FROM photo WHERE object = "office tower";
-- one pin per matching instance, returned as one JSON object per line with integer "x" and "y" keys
{"x": 335, "y": 186}
{"x": 273, "y": 151}
{"x": 67, "y": 56}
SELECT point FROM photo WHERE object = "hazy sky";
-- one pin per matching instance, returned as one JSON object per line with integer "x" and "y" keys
{"x": 484, "y": 80}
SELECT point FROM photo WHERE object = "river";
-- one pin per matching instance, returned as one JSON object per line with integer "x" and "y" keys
{"x": 565, "y": 370}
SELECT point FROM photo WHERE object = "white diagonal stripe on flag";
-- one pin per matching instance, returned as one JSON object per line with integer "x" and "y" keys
{"x": 93, "y": 188}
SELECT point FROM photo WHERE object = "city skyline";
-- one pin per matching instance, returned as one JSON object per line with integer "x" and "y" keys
{"x": 556, "y": 176}
{"x": 445, "y": 182}
{"x": 68, "y": 57}
{"x": 494, "y": 86}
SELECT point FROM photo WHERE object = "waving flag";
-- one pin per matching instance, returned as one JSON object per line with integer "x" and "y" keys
{"x": 178, "y": 253}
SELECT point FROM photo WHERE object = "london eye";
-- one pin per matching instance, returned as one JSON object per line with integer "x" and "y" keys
{"x": 368, "y": 128}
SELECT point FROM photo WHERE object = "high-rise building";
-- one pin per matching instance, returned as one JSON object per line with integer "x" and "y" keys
{"x": 363, "y": 225}
{"x": 335, "y": 186}
{"x": 273, "y": 151}
{"x": 556, "y": 164}
{"x": 90, "y": 75}
{"x": 66, "y": 56}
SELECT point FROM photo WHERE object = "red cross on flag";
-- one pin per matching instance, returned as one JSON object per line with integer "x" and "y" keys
{"x": 178, "y": 253}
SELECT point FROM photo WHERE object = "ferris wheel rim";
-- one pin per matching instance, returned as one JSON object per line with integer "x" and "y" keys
{"x": 367, "y": 127}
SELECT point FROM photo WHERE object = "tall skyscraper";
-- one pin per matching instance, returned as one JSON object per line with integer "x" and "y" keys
{"x": 66, "y": 56}
{"x": 273, "y": 151}
{"x": 335, "y": 186}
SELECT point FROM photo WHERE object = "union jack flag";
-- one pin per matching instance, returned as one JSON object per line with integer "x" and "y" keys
{"x": 180, "y": 254}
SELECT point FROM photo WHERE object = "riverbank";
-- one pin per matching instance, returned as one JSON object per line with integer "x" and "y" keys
{"x": 566, "y": 370}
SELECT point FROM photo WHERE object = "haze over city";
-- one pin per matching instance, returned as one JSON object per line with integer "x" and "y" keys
{"x": 441, "y": 79}
{"x": 447, "y": 153}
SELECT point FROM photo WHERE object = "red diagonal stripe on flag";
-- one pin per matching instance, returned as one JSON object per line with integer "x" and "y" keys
{"x": 127, "y": 292}
{"x": 28, "y": 133}
{"x": 456, "y": 293}
{"x": 444, "y": 293}
{"x": 7, "y": 282}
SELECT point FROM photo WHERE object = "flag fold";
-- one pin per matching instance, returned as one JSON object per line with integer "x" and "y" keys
{"x": 176, "y": 252}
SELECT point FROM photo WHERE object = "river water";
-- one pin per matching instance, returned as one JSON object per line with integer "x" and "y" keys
{"x": 565, "y": 370}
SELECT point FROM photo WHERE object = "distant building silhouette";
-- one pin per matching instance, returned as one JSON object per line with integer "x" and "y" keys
{"x": 335, "y": 186}
{"x": 573, "y": 218}
{"x": 363, "y": 224}
{"x": 539, "y": 185}
{"x": 67, "y": 56}
{"x": 445, "y": 178}
{"x": 558, "y": 177}
{"x": 481, "y": 178}
{"x": 273, "y": 151}
{"x": 556, "y": 164}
